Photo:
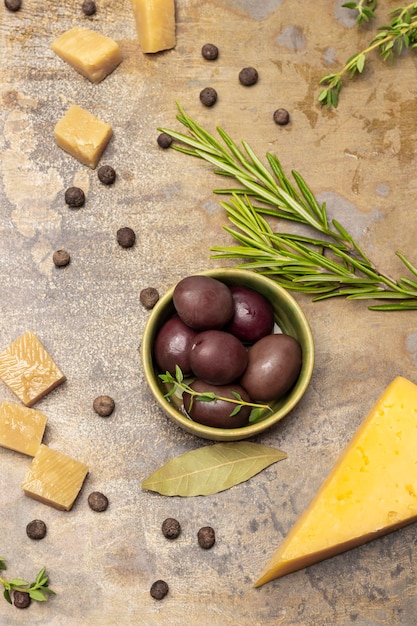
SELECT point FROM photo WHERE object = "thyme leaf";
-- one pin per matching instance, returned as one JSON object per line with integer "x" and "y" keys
{"x": 178, "y": 383}
{"x": 391, "y": 39}
{"x": 328, "y": 264}
{"x": 37, "y": 590}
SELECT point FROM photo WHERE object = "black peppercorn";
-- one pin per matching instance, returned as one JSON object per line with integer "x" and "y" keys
{"x": 206, "y": 537}
{"x": 171, "y": 528}
{"x": 208, "y": 96}
{"x": 21, "y": 599}
{"x": 248, "y": 76}
{"x": 159, "y": 589}
{"x": 106, "y": 174}
{"x": 104, "y": 406}
{"x": 126, "y": 237}
{"x": 98, "y": 501}
{"x": 36, "y": 529}
{"x": 164, "y": 140}
{"x": 210, "y": 52}
{"x": 149, "y": 297}
{"x": 88, "y": 7}
{"x": 13, "y": 5}
{"x": 61, "y": 258}
{"x": 74, "y": 197}
{"x": 281, "y": 117}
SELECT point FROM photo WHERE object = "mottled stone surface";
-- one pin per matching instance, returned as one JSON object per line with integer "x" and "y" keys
{"x": 359, "y": 159}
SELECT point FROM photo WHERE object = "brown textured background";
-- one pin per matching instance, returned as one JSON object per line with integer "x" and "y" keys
{"x": 360, "y": 159}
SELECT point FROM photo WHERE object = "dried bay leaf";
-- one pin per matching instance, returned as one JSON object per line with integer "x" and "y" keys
{"x": 211, "y": 469}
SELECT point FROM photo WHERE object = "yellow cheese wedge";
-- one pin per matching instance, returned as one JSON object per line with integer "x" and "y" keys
{"x": 28, "y": 370}
{"x": 83, "y": 135}
{"x": 21, "y": 428}
{"x": 371, "y": 491}
{"x": 90, "y": 53}
{"x": 54, "y": 478}
{"x": 155, "y": 24}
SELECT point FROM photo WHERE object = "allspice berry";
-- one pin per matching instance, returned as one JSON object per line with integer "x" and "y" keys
{"x": 13, "y": 5}
{"x": 126, "y": 237}
{"x": 248, "y": 76}
{"x": 36, "y": 529}
{"x": 104, "y": 406}
{"x": 281, "y": 117}
{"x": 61, "y": 258}
{"x": 74, "y": 197}
{"x": 88, "y": 7}
{"x": 164, "y": 140}
{"x": 149, "y": 297}
{"x": 159, "y": 589}
{"x": 210, "y": 52}
{"x": 208, "y": 96}
{"x": 206, "y": 537}
{"x": 171, "y": 528}
{"x": 106, "y": 174}
{"x": 21, "y": 599}
{"x": 97, "y": 501}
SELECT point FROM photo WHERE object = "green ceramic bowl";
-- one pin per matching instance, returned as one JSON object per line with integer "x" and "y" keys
{"x": 290, "y": 319}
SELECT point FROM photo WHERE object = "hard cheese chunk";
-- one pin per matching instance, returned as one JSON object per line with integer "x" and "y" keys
{"x": 155, "y": 24}
{"x": 54, "y": 478}
{"x": 371, "y": 491}
{"x": 91, "y": 54}
{"x": 29, "y": 371}
{"x": 83, "y": 135}
{"x": 21, "y": 428}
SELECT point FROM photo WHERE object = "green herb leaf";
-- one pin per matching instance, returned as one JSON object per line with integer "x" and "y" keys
{"x": 18, "y": 582}
{"x": 6, "y": 596}
{"x": 212, "y": 469}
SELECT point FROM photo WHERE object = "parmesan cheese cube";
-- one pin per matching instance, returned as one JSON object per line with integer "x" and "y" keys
{"x": 21, "y": 428}
{"x": 28, "y": 370}
{"x": 91, "y": 54}
{"x": 54, "y": 478}
{"x": 155, "y": 24}
{"x": 83, "y": 135}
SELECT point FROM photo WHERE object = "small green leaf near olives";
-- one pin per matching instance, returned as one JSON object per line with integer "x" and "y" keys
{"x": 218, "y": 412}
{"x": 173, "y": 345}
{"x": 253, "y": 316}
{"x": 274, "y": 363}
{"x": 203, "y": 302}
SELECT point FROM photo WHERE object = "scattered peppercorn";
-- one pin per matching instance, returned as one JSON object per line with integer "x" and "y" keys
{"x": 210, "y": 52}
{"x": 98, "y": 501}
{"x": 61, "y": 258}
{"x": 104, "y": 406}
{"x": 208, "y": 96}
{"x": 171, "y": 528}
{"x": 21, "y": 599}
{"x": 106, "y": 174}
{"x": 281, "y": 117}
{"x": 248, "y": 76}
{"x": 88, "y": 7}
{"x": 164, "y": 140}
{"x": 149, "y": 297}
{"x": 206, "y": 537}
{"x": 36, "y": 529}
{"x": 13, "y": 5}
{"x": 126, "y": 237}
{"x": 74, "y": 197}
{"x": 159, "y": 589}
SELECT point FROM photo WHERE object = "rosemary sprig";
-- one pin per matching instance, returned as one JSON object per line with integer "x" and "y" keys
{"x": 391, "y": 40}
{"x": 328, "y": 265}
{"x": 38, "y": 590}
{"x": 178, "y": 382}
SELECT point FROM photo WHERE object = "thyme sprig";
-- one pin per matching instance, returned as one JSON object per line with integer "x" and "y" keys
{"x": 328, "y": 265}
{"x": 178, "y": 382}
{"x": 400, "y": 33}
{"x": 365, "y": 9}
{"x": 38, "y": 590}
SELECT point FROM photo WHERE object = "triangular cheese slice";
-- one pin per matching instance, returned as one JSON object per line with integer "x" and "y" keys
{"x": 371, "y": 491}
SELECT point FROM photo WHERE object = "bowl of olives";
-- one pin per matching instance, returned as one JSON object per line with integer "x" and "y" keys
{"x": 227, "y": 353}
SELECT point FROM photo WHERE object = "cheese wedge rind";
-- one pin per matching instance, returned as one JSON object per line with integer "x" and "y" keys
{"x": 371, "y": 491}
